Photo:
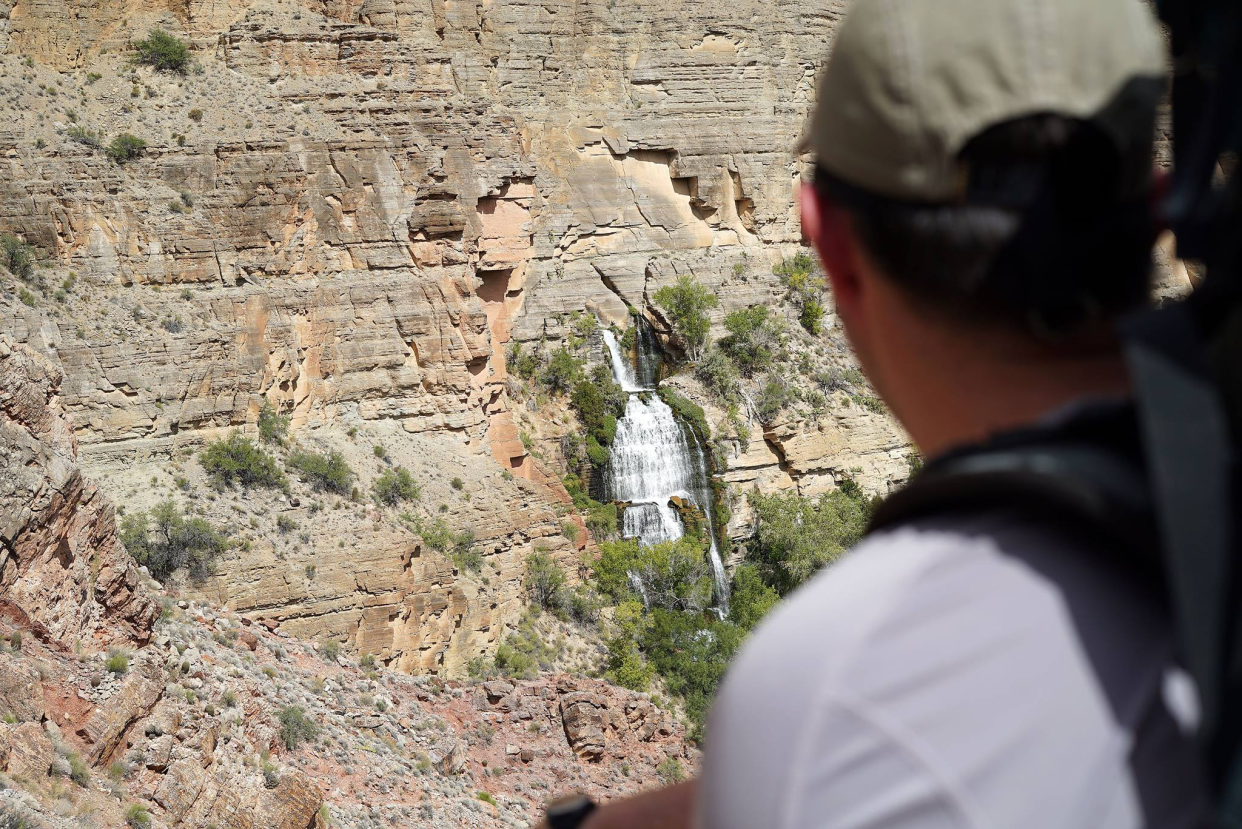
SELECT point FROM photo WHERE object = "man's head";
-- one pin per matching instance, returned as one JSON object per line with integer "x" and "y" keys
{"x": 983, "y": 173}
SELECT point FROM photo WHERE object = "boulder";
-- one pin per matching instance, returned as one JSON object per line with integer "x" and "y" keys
{"x": 30, "y": 752}
{"x": 21, "y": 693}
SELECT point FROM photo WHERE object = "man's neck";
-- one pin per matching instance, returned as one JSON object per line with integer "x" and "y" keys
{"x": 956, "y": 392}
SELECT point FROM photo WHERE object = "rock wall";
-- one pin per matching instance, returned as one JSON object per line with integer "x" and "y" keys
{"x": 351, "y": 209}
{"x": 63, "y": 571}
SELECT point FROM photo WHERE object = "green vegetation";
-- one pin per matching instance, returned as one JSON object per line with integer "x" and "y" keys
{"x": 562, "y": 372}
{"x": 17, "y": 256}
{"x": 485, "y": 797}
{"x": 79, "y": 772}
{"x": 326, "y": 473}
{"x": 117, "y": 663}
{"x": 296, "y": 727}
{"x": 330, "y": 650}
{"x": 753, "y": 340}
{"x": 674, "y": 637}
{"x": 27, "y": 298}
{"x": 439, "y": 536}
{"x": 125, "y": 147}
{"x": 273, "y": 426}
{"x": 805, "y": 286}
{"x": 394, "y": 486}
{"x": 670, "y": 771}
{"x": 795, "y": 536}
{"x": 169, "y": 540}
{"x": 163, "y": 52}
{"x": 137, "y": 816}
{"x": 687, "y": 303}
{"x": 544, "y": 580}
{"x": 86, "y": 136}
{"x": 772, "y": 399}
{"x": 236, "y": 459}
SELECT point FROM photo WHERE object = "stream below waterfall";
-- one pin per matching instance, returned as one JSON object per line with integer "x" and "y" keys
{"x": 655, "y": 457}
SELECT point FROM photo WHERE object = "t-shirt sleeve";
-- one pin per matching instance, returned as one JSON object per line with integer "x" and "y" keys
{"x": 784, "y": 752}
{"x": 786, "y": 747}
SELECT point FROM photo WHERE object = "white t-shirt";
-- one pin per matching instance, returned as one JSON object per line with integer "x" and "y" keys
{"x": 976, "y": 673}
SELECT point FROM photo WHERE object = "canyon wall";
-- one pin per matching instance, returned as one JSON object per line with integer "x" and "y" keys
{"x": 351, "y": 210}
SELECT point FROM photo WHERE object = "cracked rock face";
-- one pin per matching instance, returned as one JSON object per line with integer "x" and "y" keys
{"x": 352, "y": 211}
{"x": 62, "y": 568}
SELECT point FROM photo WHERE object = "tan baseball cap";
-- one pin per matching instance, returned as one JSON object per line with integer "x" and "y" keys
{"x": 910, "y": 82}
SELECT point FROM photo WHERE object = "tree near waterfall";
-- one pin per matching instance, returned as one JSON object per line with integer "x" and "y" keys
{"x": 687, "y": 303}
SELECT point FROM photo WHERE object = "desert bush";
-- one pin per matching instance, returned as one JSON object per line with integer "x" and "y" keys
{"x": 687, "y": 302}
{"x": 805, "y": 286}
{"x": 168, "y": 540}
{"x": 236, "y": 459}
{"x": 117, "y": 662}
{"x": 18, "y": 256}
{"x": 163, "y": 52}
{"x": 544, "y": 580}
{"x": 562, "y": 372}
{"x": 125, "y": 147}
{"x": 326, "y": 473}
{"x": 85, "y": 136}
{"x": 273, "y": 426}
{"x": 296, "y": 727}
{"x": 394, "y": 486}
{"x": 753, "y": 339}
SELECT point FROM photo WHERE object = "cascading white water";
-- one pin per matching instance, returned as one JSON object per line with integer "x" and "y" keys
{"x": 654, "y": 458}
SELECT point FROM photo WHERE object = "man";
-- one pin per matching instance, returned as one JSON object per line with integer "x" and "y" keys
{"x": 981, "y": 204}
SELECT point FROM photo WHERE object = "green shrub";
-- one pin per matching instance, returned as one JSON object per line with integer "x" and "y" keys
{"x": 196, "y": 115}
{"x": 485, "y": 797}
{"x": 805, "y": 286}
{"x": 753, "y": 339}
{"x": 285, "y": 524}
{"x": 79, "y": 772}
{"x": 570, "y": 530}
{"x": 118, "y": 663}
{"x": 271, "y": 776}
{"x": 236, "y": 459}
{"x": 601, "y": 520}
{"x": 771, "y": 400}
{"x": 137, "y": 816}
{"x": 330, "y": 650}
{"x": 598, "y": 402}
{"x": 163, "y": 52}
{"x": 544, "y": 580}
{"x": 27, "y": 298}
{"x": 18, "y": 256}
{"x": 125, "y": 147}
{"x": 670, "y": 771}
{"x": 86, "y": 136}
{"x": 687, "y": 302}
{"x": 674, "y": 574}
{"x": 169, "y": 540}
{"x": 296, "y": 727}
{"x": 273, "y": 426}
{"x": 228, "y": 699}
{"x": 326, "y": 473}
{"x": 719, "y": 375}
{"x": 562, "y": 371}
{"x": 394, "y": 486}
{"x": 524, "y": 653}
{"x": 523, "y": 363}
{"x": 457, "y": 484}
{"x": 795, "y": 535}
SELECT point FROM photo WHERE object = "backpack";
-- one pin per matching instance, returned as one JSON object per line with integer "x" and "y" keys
{"x": 1154, "y": 483}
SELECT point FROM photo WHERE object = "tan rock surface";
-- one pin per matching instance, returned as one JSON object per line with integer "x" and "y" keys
{"x": 61, "y": 563}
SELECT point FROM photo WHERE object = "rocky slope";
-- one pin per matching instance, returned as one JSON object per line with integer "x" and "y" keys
{"x": 350, "y": 210}
{"x": 119, "y": 709}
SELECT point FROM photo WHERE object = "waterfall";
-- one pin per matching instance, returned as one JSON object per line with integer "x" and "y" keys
{"x": 654, "y": 458}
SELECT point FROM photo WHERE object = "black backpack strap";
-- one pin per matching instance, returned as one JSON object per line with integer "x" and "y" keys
{"x": 1087, "y": 490}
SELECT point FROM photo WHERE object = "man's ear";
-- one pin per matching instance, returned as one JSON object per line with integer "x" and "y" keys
{"x": 827, "y": 227}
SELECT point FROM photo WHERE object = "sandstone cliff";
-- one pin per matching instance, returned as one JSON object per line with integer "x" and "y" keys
{"x": 63, "y": 572}
{"x": 350, "y": 210}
